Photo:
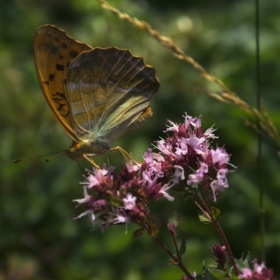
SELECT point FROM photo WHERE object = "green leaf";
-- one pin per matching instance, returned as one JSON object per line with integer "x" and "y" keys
{"x": 138, "y": 233}
{"x": 208, "y": 275}
{"x": 247, "y": 260}
{"x": 204, "y": 219}
{"x": 215, "y": 212}
{"x": 183, "y": 247}
{"x": 152, "y": 227}
{"x": 219, "y": 274}
{"x": 241, "y": 264}
{"x": 173, "y": 219}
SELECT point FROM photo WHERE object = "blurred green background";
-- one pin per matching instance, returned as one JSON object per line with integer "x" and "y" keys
{"x": 38, "y": 237}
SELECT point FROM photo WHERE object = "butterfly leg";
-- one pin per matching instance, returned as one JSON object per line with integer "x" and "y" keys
{"x": 125, "y": 154}
{"x": 91, "y": 161}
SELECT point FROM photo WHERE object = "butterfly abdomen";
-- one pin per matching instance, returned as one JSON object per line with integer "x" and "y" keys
{"x": 91, "y": 148}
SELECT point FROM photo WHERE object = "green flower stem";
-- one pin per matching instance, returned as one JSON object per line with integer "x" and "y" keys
{"x": 178, "y": 260}
{"x": 220, "y": 231}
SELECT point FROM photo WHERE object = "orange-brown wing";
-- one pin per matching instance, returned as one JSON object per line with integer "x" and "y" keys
{"x": 54, "y": 49}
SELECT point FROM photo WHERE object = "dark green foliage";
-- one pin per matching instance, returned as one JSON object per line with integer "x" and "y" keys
{"x": 37, "y": 233}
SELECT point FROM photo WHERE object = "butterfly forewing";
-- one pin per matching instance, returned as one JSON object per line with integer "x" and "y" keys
{"x": 54, "y": 50}
{"x": 109, "y": 92}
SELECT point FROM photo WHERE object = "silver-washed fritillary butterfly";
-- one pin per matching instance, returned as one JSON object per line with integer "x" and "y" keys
{"x": 96, "y": 94}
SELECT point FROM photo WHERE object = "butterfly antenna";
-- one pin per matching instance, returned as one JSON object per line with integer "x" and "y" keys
{"x": 30, "y": 158}
{"x": 59, "y": 153}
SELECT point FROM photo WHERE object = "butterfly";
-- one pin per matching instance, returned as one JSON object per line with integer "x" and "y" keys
{"x": 97, "y": 94}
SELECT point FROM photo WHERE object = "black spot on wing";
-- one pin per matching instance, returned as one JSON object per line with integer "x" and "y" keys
{"x": 51, "y": 77}
{"x": 60, "y": 107}
{"x": 64, "y": 46}
{"x": 58, "y": 96}
{"x": 59, "y": 67}
{"x": 51, "y": 48}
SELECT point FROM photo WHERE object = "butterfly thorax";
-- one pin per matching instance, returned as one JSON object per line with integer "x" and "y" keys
{"x": 92, "y": 148}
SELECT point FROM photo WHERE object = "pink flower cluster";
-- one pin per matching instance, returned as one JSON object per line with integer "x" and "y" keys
{"x": 259, "y": 272}
{"x": 114, "y": 198}
{"x": 188, "y": 152}
{"x": 185, "y": 157}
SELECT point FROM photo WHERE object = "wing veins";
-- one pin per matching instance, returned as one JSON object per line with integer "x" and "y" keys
{"x": 101, "y": 117}
{"x": 123, "y": 95}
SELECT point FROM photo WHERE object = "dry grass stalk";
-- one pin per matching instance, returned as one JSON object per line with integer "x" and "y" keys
{"x": 264, "y": 124}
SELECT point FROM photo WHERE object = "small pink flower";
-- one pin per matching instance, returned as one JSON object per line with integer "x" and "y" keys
{"x": 129, "y": 201}
{"x": 165, "y": 188}
{"x": 121, "y": 219}
{"x": 173, "y": 127}
{"x": 179, "y": 174}
{"x": 220, "y": 254}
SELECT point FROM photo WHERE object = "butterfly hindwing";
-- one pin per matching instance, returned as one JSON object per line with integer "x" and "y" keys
{"x": 109, "y": 92}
